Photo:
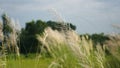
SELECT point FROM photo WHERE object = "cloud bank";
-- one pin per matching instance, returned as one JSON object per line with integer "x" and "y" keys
{"x": 88, "y": 15}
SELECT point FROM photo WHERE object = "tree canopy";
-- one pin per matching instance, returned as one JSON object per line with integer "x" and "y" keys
{"x": 28, "y": 41}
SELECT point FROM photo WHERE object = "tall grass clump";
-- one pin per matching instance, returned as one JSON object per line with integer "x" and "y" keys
{"x": 57, "y": 46}
{"x": 88, "y": 56}
{"x": 3, "y": 59}
{"x": 2, "y": 50}
{"x": 113, "y": 52}
{"x": 69, "y": 51}
{"x": 8, "y": 38}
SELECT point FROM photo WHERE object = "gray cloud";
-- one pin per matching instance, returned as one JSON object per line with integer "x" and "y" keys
{"x": 83, "y": 13}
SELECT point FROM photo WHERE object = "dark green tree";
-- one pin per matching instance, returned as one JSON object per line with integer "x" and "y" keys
{"x": 99, "y": 38}
{"x": 60, "y": 26}
{"x": 70, "y": 25}
{"x": 28, "y": 41}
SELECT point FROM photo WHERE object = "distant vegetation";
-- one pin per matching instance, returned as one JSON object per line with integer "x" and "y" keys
{"x": 60, "y": 25}
{"x": 97, "y": 38}
{"x": 28, "y": 41}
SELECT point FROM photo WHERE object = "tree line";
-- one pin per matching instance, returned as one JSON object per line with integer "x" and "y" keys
{"x": 26, "y": 37}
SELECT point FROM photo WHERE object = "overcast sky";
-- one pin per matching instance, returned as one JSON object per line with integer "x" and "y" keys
{"x": 90, "y": 16}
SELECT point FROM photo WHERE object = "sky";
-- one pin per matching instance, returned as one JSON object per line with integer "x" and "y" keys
{"x": 90, "y": 16}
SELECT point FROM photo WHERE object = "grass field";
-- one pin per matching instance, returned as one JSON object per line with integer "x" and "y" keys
{"x": 28, "y": 63}
{"x": 63, "y": 56}
{"x": 71, "y": 53}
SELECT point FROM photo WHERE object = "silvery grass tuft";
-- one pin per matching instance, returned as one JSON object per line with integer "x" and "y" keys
{"x": 57, "y": 45}
{"x": 10, "y": 32}
{"x": 69, "y": 51}
{"x": 2, "y": 50}
{"x": 8, "y": 42}
{"x": 14, "y": 35}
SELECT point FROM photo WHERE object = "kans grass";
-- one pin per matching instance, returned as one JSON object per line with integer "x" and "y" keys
{"x": 66, "y": 49}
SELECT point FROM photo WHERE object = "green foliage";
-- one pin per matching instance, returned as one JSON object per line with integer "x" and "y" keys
{"x": 55, "y": 25}
{"x": 28, "y": 63}
{"x": 96, "y": 38}
{"x": 111, "y": 62}
{"x": 71, "y": 26}
{"x": 28, "y": 41}
{"x": 99, "y": 38}
{"x": 60, "y": 26}
{"x": 37, "y": 27}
